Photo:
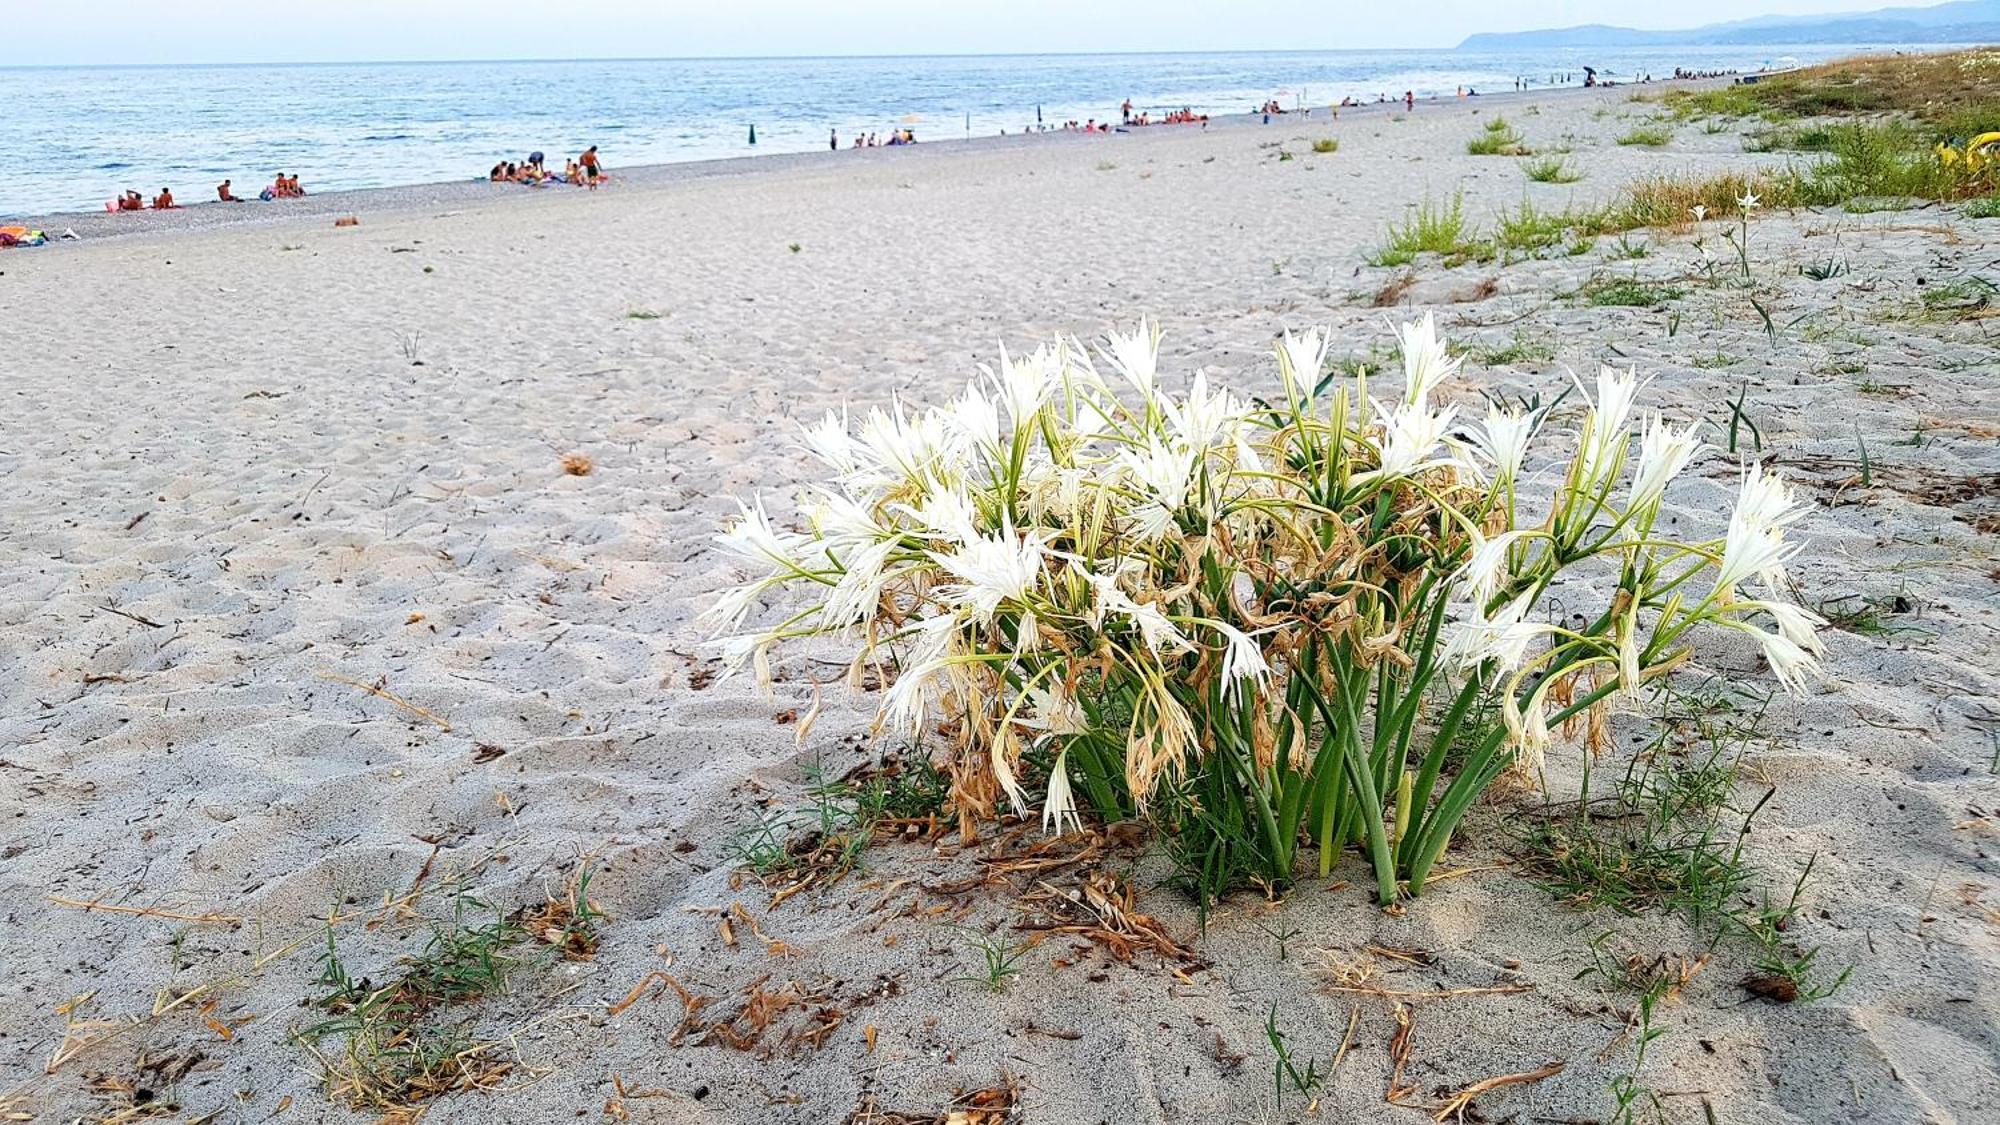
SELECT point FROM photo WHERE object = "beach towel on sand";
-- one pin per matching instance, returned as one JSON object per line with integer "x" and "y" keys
{"x": 21, "y": 236}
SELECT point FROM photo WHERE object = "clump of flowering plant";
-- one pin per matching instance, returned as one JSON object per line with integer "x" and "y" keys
{"x": 1273, "y": 624}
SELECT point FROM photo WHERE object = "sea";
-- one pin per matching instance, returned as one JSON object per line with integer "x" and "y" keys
{"x": 73, "y": 137}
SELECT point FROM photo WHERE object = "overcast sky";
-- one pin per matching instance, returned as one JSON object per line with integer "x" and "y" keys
{"x": 153, "y": 31}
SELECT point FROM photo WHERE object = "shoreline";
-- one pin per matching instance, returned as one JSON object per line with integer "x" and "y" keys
{"x": 402, "y": 199}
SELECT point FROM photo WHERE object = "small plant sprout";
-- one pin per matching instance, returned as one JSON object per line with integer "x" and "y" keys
{"x": 1313, "y": 619}
{"x": 1284, "y": 1071}
{"x": 1000, "y": 961}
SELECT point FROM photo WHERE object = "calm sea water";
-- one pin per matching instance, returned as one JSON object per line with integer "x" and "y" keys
{"x": 72, "y": 137}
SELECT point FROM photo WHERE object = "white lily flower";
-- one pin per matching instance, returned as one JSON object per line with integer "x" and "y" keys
{"x": 975, "y": 419}
{"x": 1755, "y": 545}
{"x": 1751, "y": 551}
{"x": 1242, "y": 659}
{"x": 1203, "y": 419}
{"x": 731, "y": 606}
{"x": 753, "y": 538}
{"x": 1413, "y": 433}
{"x": 752, "y": 649}
{"x": 1748, "y": 202}
{"x": 1699, "y": 212}
{"x": 1426, "y": 362}
{"x": 1796, "y": 624}
{"x": 1059, "y": 807}
{"x": 1504, "y": 440}
{"x": 1528, "y": 725}
{"x": 1663, "y": 452}
{"x": 844, "y": 523}
{"x": 946, "y": 513}
{"x": 830, "y": 441}
{"x": 905, "y": 445}
{"x": 1765, "y": 499}
{"x": 1024, "y": 384}
{"x": 907, "y": 700}
{"x": 1502, "y": 638}
{"x": 1136, "y": 355}
{"x": 1164, "y": 472}
{"x": 859, "y": 591}
{"x": 1305, "y": 354}
{"x": 1056, "y": 712}
{"x": 1154, "y": 628}
{"x": 1606, "y": 425}
{"x": 992, "y": 569}
{"x": 1790, "y": 662}
{"x": 1486, "y": 566}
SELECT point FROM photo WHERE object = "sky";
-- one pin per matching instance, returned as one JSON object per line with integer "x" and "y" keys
{"x": 53, "y": 32}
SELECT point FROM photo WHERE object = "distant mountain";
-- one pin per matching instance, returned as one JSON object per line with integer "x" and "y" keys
{"x": 1964, "y": 21}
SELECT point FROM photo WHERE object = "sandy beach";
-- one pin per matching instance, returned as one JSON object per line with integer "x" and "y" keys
{"x": 302, "y": 616}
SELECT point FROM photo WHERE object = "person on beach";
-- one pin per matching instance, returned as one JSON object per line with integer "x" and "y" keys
{"x": 223, "y": 193}
{"x": 593, "y": 171}
{"x": 572, "y": 173}
{"x": 1410, "y": 101}
{"x": 833, "y": 140}
{"x": 165, "y": 200}
{"x": 535, "y": 162}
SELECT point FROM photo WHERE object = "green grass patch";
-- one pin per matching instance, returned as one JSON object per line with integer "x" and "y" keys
{"x": 1431, "y": 228}
{"x": 1499, "y": 138}
{"x": 1629, "y": 292}
{"x": 1647, "y": 136}
{"x": 1550, "y": 170}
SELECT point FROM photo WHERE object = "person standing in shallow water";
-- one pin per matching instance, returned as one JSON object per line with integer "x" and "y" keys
{"x": 1410, "y": 100}
{"x": 833, "y": 140}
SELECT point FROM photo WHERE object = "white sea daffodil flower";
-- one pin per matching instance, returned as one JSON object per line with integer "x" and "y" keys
{"x": 1749, "y": 202}
{"x": 1699, "y": 212}
{"x": 1663, "y": 452}
{"x": 1413, "y": 433}
{"x": 1242, "y": 659}
{"x": 1426, "y": 360}
{"x": 1305, "y": 354}
{"x": 1136, "y": 355}
{"x": 1504, "y": 440}
{"x": 753, "y": 538}
{"x": 1605, "y": 426}
{"x": 831, "y": 442}
{"x": 1059, "y": 813}
{"x": 1023, "y": 385}
{"x": 1485, "y": 568}
{"x": 991, "y": 569}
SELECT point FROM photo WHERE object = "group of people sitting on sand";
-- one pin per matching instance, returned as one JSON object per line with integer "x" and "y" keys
{"x": 584, "y": 171}
{"x": 1182, "y": 116}
{"x": 283, "y": 186}
{"x": 896, "y": 137}
{"x": 133, "y": 201}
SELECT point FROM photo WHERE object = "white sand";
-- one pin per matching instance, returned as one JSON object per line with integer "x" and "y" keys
{"x": 223, "y": 433}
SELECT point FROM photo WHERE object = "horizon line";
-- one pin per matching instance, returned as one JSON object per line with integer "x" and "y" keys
{"x": 867, "y": 57}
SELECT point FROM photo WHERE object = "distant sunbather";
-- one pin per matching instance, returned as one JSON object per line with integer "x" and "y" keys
{"x": 223, "y": 193}
{"x": 165, "y": 200}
